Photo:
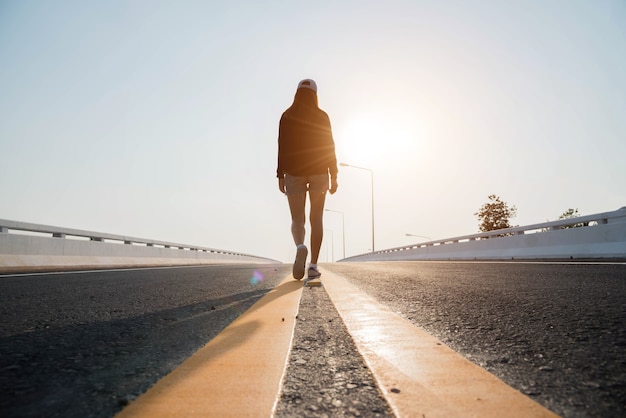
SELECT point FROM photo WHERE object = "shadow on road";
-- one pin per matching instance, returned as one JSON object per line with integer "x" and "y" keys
{"x": 94, "y": 369}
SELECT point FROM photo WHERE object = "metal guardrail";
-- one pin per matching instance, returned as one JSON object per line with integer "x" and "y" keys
{"x": 588, "y": 221}
{"x": 6, "y": 226}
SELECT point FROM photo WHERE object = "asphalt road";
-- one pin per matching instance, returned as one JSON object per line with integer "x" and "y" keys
{"x": 556, "y": 332}
{"x": 85, "y": 344}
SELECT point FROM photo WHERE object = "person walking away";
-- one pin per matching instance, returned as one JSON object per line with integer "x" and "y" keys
{"x": 306, "y": 163}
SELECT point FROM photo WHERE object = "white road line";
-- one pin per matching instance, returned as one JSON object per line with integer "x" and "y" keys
{"x": 49, "y": 273}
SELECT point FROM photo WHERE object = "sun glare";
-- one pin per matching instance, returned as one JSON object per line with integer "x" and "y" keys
{"x": 371, "y": 141}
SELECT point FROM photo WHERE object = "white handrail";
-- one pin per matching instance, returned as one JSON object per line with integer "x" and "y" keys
{"x": 587, "y": 221}
{"x": 58, "y": 232}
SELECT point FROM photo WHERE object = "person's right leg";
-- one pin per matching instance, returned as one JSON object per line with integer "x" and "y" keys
{"x": 317, "y": 195}
{"x": 317, "y": 223}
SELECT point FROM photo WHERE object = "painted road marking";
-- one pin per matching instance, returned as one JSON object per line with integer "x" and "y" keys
{"x": 417, "y": 373}
{"x": 106, "y": 270}
{"x": 238, "y": 373}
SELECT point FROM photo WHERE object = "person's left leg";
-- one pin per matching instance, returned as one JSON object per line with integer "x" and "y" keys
{"x": 317, "y": 223}
{"x": 297, "y": 203}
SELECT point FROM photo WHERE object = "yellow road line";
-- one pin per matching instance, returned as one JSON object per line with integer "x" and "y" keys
{"x": 238, "y": 373}
{"x": 419, "y": 375}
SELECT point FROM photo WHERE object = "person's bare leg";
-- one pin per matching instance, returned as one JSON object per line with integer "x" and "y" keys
{"x": 297, "y": 204}
{"x": 317, "y": 223}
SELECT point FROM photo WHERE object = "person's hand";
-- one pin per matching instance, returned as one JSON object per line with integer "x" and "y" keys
{"x": 281, "y": 185}
{"x": 333, "y": 186}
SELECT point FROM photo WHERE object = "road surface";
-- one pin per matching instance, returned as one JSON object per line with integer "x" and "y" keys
{"x": 87, "y": 344}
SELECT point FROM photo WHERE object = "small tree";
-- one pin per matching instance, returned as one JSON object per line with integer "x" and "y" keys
{"x": 569, "y": 214}
{"x": 495, "y": 214}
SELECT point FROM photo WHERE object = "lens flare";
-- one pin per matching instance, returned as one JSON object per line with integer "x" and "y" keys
{"x": 257, "y": 277}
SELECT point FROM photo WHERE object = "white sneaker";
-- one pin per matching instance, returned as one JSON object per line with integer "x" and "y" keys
{"x": 313, "y": 277}
{"x": 300, "y": 263}
{"x": 313, "y": 273}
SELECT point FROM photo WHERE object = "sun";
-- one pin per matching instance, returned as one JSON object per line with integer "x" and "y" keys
{"x": 361, "y": 140}
{"x": 371, "y": 141}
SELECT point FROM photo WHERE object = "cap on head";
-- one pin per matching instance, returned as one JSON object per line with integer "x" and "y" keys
{"x": 308, "y": 84}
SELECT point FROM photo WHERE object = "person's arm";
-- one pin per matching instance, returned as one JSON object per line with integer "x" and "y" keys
{"x": 279, "y": 169}
{"x": 281, "y": 184}
{"x": 332, "y": 160}
{"x": 333, "y": 185}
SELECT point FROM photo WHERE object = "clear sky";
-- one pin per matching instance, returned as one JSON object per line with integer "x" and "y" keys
{"x": 159, "y": 119}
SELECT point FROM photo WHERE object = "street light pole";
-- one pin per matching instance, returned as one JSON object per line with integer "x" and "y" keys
{"x": 343, "y": 230}
{"x": 372, "y": 177}
{"x": 419, "y": 236}
{"x": 332, "y": 245}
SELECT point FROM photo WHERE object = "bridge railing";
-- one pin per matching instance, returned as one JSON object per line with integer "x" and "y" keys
{"x": 601, "y": 235}
{"x": 28, "y": 246}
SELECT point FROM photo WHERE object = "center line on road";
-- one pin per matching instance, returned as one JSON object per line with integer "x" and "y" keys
{"x": 417, "y": 373}
{"x": 238, "y": 373}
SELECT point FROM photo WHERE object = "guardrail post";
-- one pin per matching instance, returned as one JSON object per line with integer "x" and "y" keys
{"x": 4, "y": 230}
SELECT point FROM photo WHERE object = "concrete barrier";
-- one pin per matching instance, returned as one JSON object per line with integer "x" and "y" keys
{"x": 598, "y": 236}
{"x": 31, "y": 247}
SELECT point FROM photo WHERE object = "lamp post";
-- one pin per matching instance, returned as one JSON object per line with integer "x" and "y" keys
{"x": 343, "y": 230}
{"x": 420, "y": 245}
{"x": 419, "y": 236}
{"x": 372, "y": 178}
{"x": 332, "y": 245}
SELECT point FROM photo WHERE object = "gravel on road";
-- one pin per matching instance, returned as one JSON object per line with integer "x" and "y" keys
{"x": 326, "y": 375}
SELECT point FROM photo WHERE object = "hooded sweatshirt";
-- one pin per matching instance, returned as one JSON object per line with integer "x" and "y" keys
{"x": 305, "y": 140}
